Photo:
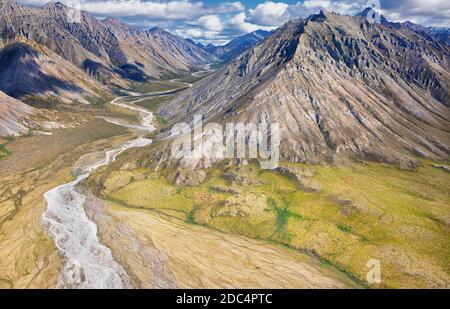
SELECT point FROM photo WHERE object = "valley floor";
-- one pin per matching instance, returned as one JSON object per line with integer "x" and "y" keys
{"x": 344, "y": 217}
{"x": 159, "y": 251}
{"x": 156, "y": 250}
{"x": 299, "y": 227}
{"x": 28, "y": 258}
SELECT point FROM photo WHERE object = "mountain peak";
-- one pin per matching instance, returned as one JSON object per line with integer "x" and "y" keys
{"x": 9, "y": 5}
{"x": 198, "y": 44}
{"x": 237, "y": 45}
{"x": 318, "y": 17}
{"x": 365, "y": 13}
{"x": 277, "y": 79}
{"x": 112, "y": 19}
{"x": 115, "y": 22}
{"x": 55, "y": 5}
{"x": 157, "y": 29}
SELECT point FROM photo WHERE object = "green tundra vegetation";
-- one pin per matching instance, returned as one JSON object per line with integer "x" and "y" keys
{"x": 4, "y": 152}
{"x": 344, "y": 216}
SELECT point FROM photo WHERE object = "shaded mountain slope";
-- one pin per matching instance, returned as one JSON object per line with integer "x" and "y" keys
{"x": 339, "y": 87}
{"x": 27, "y": 68}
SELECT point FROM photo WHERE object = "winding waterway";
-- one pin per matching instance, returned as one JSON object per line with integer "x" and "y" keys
{"x": 87, "y": 262}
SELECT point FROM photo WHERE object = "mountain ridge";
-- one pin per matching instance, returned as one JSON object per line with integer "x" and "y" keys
{"x": 339, "y": 87}
{"x": 97, "y": 48}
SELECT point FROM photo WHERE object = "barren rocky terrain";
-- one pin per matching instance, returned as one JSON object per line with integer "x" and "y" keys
{"x": 339, "y": 87}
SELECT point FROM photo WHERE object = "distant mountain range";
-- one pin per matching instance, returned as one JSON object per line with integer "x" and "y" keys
{"x": 43, "y": 53}
{"x": 339, "y": 87}
{"x": 237, "y": 45}
{"x": 441, "y": 34}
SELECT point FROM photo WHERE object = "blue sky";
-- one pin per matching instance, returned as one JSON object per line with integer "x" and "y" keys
{"x": 219, "y": 21}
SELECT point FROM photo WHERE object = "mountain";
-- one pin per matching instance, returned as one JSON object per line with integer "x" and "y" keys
{"x": 27, "y": 68}
{"x": 156, "y": 52}
{"x": 198, "y": 44}
{"x": 238, "y": 45}
{"x": 97, "y": 51}
{"x": 339, "y": 87}
{"x": 209, "y": 48}
{"x": 13, "y": 114}
{"x": 442, "y": 34}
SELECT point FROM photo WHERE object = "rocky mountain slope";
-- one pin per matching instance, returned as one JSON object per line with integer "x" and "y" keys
{"x": 156, "y": 52}
{"x": 13, "y": 114}
{"x": 237, "y": 46}
{"x": 339, "y": 87}
{"x": 107, "y": 52}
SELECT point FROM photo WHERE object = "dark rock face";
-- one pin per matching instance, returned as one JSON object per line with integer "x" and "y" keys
{"x": 339, "y": 87}
{"x": 133, "y": 72}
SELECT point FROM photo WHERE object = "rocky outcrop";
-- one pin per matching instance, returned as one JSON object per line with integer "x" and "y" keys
{"x": 245, "y": 205}
{"x": 187, "y": 177}
{"x": 302, "y": 177}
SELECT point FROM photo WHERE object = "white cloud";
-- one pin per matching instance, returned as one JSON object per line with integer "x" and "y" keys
{"x": 202, "y": 36}
{"x": 154, "y": 9}
{"x": 158, "y": 10}
{"x": 269, "y": 13}
{"x": 308, "y": 7}
{"x": 239, "y": 23}
{"x": 325, "y": 4}
{"x": 211, "y": 23}
{"x": 237, "y": 6}
{"x": 430, "y": 12}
